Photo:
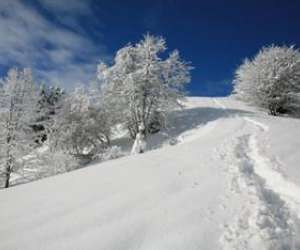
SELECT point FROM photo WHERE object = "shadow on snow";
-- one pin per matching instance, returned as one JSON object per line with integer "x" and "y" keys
{"x": 180, "y": 121}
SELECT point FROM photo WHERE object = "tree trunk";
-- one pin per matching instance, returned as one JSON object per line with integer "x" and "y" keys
{"x": 139, "y": 145}
{"x": 7, "y": 175}
{"x": 8, "y": 167}
{"x": 9, "y": 138}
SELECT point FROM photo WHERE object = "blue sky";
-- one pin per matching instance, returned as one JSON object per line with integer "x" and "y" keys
{"x": 63, "y": 40}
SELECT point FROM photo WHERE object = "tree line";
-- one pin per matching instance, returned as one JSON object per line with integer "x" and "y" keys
{"x": 45, "y": 130}
{"x": 137, "y": 91}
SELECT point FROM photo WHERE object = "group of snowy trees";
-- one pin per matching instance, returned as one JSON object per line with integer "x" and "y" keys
{"x": 136, "y": 90}
{"x": 26, "y": 118}
{"x": 82, "y": 127}
{"x": 271, "y": 80}
{"x": 46, "y": 131}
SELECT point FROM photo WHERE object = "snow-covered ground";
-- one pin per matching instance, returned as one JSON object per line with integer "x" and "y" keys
{"x": 230, "y": 179}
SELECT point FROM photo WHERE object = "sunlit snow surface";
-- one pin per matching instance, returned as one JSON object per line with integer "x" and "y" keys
{"x": 229, "y": 180}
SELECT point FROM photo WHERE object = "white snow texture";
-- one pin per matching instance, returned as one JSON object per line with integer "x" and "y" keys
{"x": 229, "y": 180}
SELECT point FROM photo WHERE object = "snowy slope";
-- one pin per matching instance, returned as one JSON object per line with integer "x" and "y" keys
{"x": 232, "y": 181}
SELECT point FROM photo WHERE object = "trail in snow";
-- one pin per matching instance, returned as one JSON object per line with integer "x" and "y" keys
{"x": 260, "y": 125}
{"x": 265, "y": 219}
{"x": 270, "y": 215}
{"x": 288, "y": 191}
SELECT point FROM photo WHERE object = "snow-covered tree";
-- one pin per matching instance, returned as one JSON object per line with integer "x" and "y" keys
{"x": 142, "y": 84}
{"x": 50, "y": 101}
{"x": 271, "y": 80}
{"x": 82, "y": 126}
{"x": 18, "y": 101}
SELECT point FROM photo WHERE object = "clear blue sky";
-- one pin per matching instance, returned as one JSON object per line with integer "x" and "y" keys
{"x": 62, "y": 40}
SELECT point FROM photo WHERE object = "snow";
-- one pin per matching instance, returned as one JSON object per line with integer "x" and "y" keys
{"x": 230, "y": 182}
{"x": 258, "y": 124}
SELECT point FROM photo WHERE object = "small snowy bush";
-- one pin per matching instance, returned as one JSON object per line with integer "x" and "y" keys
{"x": 50, "y": 163}
{"x": 82, "y": 127}
{"x": 271, "y": 80}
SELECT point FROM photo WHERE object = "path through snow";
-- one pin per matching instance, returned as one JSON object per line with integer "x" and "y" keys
{"x": 270, "y": 215}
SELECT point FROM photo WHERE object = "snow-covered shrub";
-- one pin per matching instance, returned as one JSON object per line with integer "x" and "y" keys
{"x": 56, "y": 162}
{"x": 18, "y": 102}
{"x": 271, "y": 80}
{"x": 82, "y": 127}
{"x": 42, "y": 163}
{"x": 141, "y": 83}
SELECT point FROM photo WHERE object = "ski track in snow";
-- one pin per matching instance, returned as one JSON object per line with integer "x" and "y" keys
{"x": 270, "y": 216}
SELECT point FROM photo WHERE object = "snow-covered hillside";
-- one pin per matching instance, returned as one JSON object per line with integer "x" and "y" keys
{"x": 231, "y": 181}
